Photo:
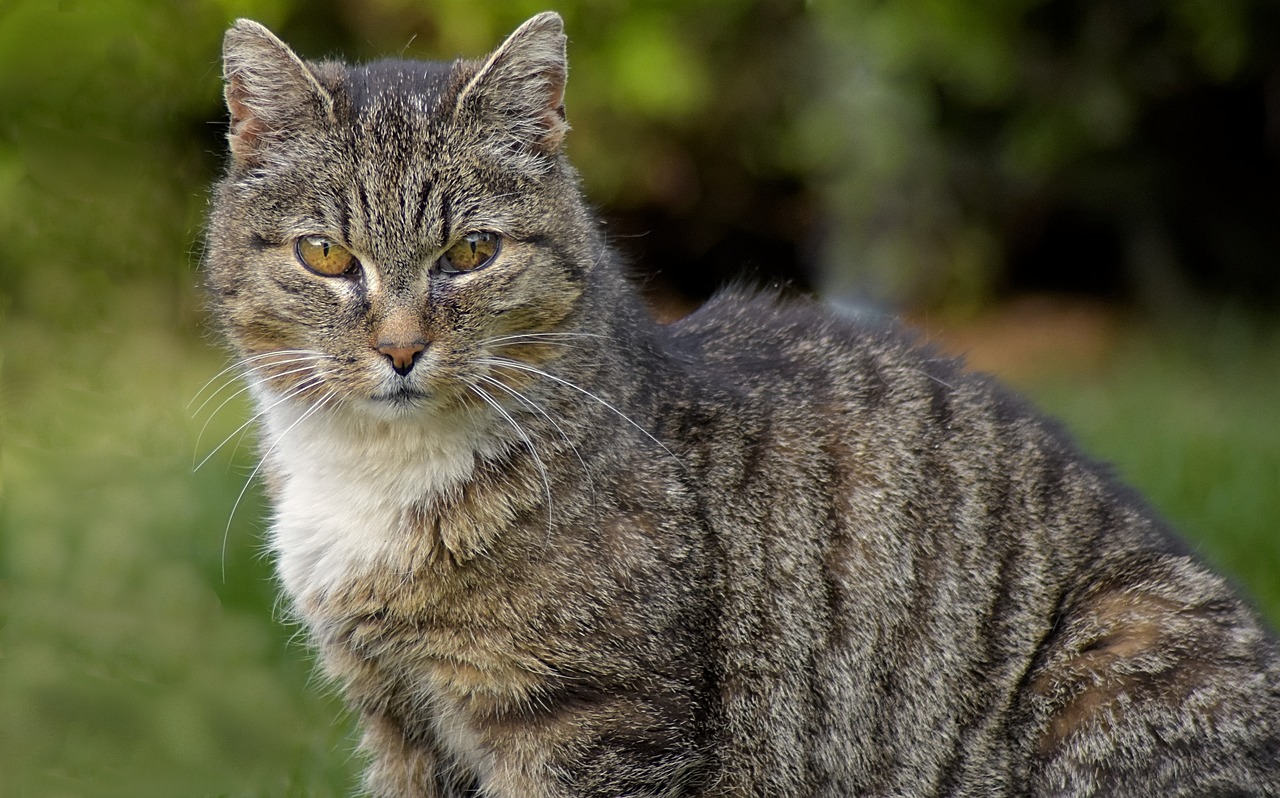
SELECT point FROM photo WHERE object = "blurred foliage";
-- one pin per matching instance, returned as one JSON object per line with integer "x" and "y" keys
{"x": 911, "y": 151}
{"x": 140, "y": 654}
{"x": 956, "y": 133}
{"x": 923, "y": 152}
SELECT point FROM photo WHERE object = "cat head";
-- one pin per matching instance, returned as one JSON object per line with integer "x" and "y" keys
{"x": 384, "y": 231}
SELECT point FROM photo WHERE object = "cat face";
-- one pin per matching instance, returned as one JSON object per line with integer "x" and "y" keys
{"x": 388, "y": 234}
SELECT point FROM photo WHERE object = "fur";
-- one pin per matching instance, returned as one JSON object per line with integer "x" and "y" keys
{"x": 766, "y": 550}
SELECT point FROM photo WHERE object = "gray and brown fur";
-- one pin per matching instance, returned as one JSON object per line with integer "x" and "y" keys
{"x": 763, "y": 551}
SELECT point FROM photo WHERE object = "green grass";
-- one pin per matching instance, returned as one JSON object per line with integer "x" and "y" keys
{"x": 1191, "y": 417}
{"x": 142, "y": 651}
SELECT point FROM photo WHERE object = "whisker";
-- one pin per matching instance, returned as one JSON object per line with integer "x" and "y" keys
{"x": 244, "y": 362}
{"x": 256, "y": 370}
{"x": 546, "y": 483}
{"x": 295, "y": 392}
{"x": 231, "y": 380}
{"x": 532, "y": 405}
{"x": 261, "y": 370}
{"x": 504, "y": 363}
{"x": 234, "y": 366}
{"x": 226, "y": 533}
{"x": 224, "y": 402}
{"x": 539, "y": 336}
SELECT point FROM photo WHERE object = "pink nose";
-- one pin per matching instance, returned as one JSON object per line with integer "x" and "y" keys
{"x": 402, "y": 355}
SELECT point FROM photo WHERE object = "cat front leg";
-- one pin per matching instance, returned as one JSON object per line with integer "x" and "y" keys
{"x": 406, "y": 768}
{"x": 616, "y": 747}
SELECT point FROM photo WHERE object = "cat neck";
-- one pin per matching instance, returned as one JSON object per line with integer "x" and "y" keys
{"x": 345, "y": 483}
{"x": 327, "y": 442}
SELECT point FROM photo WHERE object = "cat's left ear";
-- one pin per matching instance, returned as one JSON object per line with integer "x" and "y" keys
{"x": 520, "y": 87}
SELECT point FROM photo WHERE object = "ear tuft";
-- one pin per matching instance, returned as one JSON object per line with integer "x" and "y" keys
{"x": 520, "y": 87}
{"x": 269, "y": 90}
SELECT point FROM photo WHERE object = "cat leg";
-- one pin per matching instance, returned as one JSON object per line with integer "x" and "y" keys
{"x": 402, "y": 768}
{"x": 604, "y": 748}
{"x": 1170, "y": 690}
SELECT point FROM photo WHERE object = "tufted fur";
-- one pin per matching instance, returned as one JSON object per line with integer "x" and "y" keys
{"x": 765, "y": 551}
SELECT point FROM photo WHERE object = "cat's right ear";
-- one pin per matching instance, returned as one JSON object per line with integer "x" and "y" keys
{"x": 269, "y": 90}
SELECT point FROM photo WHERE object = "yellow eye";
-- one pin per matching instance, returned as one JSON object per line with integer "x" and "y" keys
{"x": 469, "y": 253}
{"x": 324, "y": 257}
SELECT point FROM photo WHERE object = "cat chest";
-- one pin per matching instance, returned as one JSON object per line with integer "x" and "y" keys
{"x": 324, "y": 536}
{"x": 450, "y": 675}
{"x": 326, "y": 541}
{"x": 466, "y": 676}
{"x": 346, "y": 504}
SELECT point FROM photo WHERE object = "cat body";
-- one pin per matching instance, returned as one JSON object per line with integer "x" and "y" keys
{"x": 551, "y": 548}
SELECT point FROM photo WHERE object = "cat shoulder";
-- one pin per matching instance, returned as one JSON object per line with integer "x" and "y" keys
{"x": 768, "y": 330}
{"x": 768, "y": 348}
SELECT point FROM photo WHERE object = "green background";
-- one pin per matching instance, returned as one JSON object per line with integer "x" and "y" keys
{"x": 142, "y": 648}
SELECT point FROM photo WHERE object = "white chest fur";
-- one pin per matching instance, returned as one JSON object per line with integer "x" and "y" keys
{"x": 347, "y": 483}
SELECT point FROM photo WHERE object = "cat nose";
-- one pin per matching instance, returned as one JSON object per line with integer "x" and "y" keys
{"x": 402, "y": 355}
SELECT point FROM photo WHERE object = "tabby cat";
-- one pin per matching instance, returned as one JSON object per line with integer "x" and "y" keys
{"x": 549, "y": 547}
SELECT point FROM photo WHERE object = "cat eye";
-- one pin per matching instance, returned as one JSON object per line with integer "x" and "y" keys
{"x": 469, "y": 253}
{"x": 325, "y": 257}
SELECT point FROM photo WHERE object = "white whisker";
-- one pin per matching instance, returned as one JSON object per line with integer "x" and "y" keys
{"x": 546, "y": 483}
{"x": 512, "y": 364}
{"x": 226, "y": 533}
{"x": 233, "y": 367}
{"x": 295, "y": 392}
{"x": 537, "y": 337}
{"x": 245, "y": 363}
{"x": 532, "y": 405}
{"x": 227, "y": 400}
{"x": 233, "y": 380}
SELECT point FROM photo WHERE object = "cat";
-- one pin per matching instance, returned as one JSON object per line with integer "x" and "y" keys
{"x": 549, "y": 547}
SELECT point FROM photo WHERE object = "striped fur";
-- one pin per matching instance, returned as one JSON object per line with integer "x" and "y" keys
{"x": 764, "y": 551}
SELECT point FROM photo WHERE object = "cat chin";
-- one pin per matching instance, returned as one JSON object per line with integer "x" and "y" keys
{"x": 399, "y": 407}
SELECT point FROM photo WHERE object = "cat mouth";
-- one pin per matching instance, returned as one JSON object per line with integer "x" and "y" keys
{"x": 401, "y": 395}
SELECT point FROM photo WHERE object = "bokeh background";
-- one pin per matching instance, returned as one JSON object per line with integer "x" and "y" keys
{"x": 1080, "y": 195}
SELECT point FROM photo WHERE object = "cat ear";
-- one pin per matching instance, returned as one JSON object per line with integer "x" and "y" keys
{"x": 269, "y": 89}
{"x": 521, "y": 85}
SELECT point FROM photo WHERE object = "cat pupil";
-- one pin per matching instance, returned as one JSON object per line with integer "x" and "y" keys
{"x": 470, "y": 253}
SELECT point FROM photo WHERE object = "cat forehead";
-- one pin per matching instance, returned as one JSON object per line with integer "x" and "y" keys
{"x": 416, "y": 83}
